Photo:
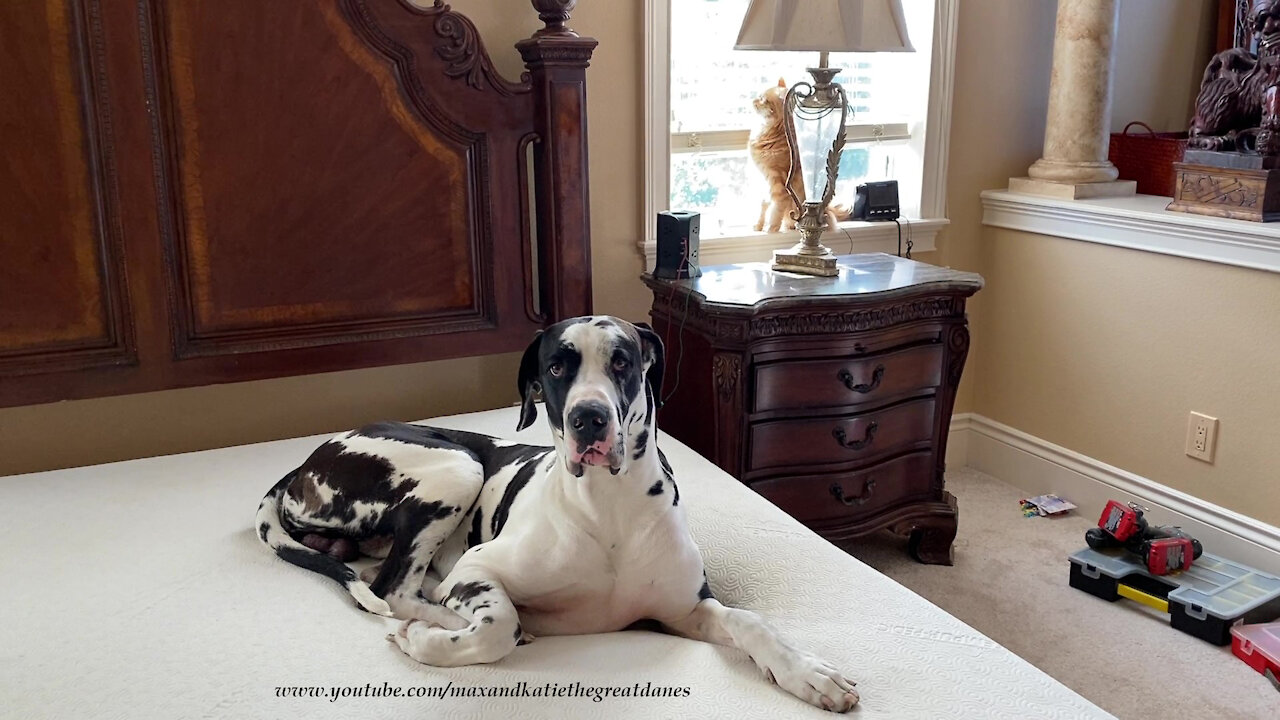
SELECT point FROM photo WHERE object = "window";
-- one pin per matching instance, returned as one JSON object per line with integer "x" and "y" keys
{"x": 703, "y": 89}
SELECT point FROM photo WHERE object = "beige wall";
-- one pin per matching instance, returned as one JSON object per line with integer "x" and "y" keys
{"x": 1105, "y": 350}
{"x": 1100, "y": 349}
{"x": 997, "y": 128}
{"x": 107, "y": 429}
{"x": 1163, "y": 48}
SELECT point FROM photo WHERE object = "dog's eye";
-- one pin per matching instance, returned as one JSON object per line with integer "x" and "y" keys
{"x": 621, "y": 365}
{"x": 556, "y": 369}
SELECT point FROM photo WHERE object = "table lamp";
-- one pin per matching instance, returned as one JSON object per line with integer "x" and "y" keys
{"x": 819, "y": 111}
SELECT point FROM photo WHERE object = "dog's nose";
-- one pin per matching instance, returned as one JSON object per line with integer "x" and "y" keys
{"x": 589, "y": 420}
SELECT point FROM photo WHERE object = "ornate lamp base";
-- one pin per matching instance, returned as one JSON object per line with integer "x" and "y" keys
{"x": 809, "y": 256}
{"x": 823, "y": 265}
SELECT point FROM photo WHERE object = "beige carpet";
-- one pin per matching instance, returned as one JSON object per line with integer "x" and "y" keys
{"x": 1010, "y": 583}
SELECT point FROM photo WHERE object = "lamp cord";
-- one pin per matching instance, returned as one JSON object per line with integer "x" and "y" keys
{"x": 910, "y": 244}
{"x": 666, "y": 337}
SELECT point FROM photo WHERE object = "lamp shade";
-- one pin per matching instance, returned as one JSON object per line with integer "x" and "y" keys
{"x": 825, "y": 25}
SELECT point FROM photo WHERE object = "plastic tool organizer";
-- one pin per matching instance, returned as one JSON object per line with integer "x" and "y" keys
{"x": 1259, "y": 647}
{"x": 1204, "y": 600}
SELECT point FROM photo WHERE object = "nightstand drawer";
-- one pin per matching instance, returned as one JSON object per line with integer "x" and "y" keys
{"x": 838, "y": 495}
{"x": 832, "y": 382}
{"x": 825, "y": 441}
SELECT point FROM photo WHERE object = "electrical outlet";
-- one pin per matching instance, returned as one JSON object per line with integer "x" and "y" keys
{"x": 1202, "y": 435}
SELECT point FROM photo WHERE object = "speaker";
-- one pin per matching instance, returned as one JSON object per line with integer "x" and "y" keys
{"x": 678, "y": 245}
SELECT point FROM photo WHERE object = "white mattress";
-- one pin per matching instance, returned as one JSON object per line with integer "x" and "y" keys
{"x": 138, "y": 590}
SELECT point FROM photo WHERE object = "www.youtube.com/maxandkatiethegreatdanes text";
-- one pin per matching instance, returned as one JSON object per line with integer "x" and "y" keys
{"x": 594, "y": 693}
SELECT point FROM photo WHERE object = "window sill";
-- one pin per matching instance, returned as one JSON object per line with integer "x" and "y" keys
{"x": 851, "y": 237}
{"x": 1138, "y": 222}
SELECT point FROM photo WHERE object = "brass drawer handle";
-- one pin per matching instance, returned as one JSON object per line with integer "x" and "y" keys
{"x": 838, "y": 493}
{"x": 845, "y": 442}
{"x": 876, "y": 376}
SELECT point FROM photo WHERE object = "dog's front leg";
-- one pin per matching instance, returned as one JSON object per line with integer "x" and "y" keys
{"x": 799, "y": 673}
{"x": 492, "y": 630}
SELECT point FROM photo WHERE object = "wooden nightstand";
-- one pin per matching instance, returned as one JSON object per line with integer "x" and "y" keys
{"x": 831, "y": 397}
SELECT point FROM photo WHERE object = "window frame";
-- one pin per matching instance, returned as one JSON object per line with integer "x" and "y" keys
{"x": 753, "y": 246}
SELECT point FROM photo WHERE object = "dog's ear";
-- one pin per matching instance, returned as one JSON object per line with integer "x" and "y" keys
{"x": 655, "y": 359}
{"x": 529, "y": 382}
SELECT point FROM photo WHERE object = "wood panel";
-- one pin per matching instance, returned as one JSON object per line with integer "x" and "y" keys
{"x": 62, "y": 302}
{"x": 297, "y": 197}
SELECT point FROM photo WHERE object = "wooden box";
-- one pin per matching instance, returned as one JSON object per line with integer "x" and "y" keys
{"x": 1243, "y": 194}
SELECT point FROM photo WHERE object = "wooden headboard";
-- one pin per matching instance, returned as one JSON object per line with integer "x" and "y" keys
{"x": 206, "y": 191}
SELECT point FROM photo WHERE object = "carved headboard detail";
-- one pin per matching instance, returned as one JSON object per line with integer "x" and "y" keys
{"x": 225, "y": 190}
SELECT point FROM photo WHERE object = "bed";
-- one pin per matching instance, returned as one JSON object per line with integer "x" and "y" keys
{"x": 139, "y": 590}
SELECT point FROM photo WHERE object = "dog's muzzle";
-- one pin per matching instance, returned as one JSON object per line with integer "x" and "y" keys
{"x": 593, "y": 439}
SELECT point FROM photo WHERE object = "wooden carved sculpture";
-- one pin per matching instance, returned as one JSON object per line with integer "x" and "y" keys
{"x": 1231, "y": 108}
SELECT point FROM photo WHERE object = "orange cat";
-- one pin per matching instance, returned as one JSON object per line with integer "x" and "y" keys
{"x": 772, "y": 156}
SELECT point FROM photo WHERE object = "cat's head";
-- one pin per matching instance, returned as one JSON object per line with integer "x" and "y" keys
{"x": 770, "y": 103}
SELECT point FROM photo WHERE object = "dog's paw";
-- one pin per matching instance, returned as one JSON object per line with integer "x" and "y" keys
{"x": 430, "y": 644}
{"x": 813, "y": 681}
{"x": 413, "y": 638}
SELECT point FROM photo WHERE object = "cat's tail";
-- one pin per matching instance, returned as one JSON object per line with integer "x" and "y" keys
{"x": 838, "y": 212}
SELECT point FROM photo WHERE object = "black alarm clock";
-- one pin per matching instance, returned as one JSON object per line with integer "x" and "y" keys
{"x": 877, "y": 201}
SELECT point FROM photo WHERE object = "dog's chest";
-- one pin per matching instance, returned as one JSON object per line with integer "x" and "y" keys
{"x": 585, "y": 586}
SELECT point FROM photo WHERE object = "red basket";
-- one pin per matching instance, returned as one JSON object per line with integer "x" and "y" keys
{"x": 1147, "y": 157}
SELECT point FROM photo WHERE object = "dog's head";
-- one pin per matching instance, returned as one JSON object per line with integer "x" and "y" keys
{"x": 601, "y": 380}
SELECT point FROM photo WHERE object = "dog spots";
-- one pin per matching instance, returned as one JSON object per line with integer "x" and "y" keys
{"x": 410, "y": 434}
{"x": 465, "y": 592}
{"x": 453, "y": 638}
{"x": 656, "y": 489}
{"x": 670, "y": 477}
{"x": 412, "y": 519}
{"x": 263, "y": 529}
{"x": 487, "y": 619}
{"x": 493, "y": 456}
{"x": 642, "y": 442}
{"x": 705, "y": 592}
{"x": 477, "y": 522}
{"x": 311, "y": 500}
{"x": 503, "y": 510}
{"x": 353, "y": 477}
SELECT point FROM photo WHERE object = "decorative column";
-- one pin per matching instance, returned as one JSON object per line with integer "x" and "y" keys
{"x": 1078, "y": 125}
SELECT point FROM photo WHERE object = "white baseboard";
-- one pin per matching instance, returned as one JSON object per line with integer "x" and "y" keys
{"x": 1039, "y": 466}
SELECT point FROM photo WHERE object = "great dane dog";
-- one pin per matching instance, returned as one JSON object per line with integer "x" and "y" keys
{"x": 587, "y": 536}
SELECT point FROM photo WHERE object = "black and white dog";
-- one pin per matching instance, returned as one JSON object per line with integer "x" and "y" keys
{"x": 587, "y": 536}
